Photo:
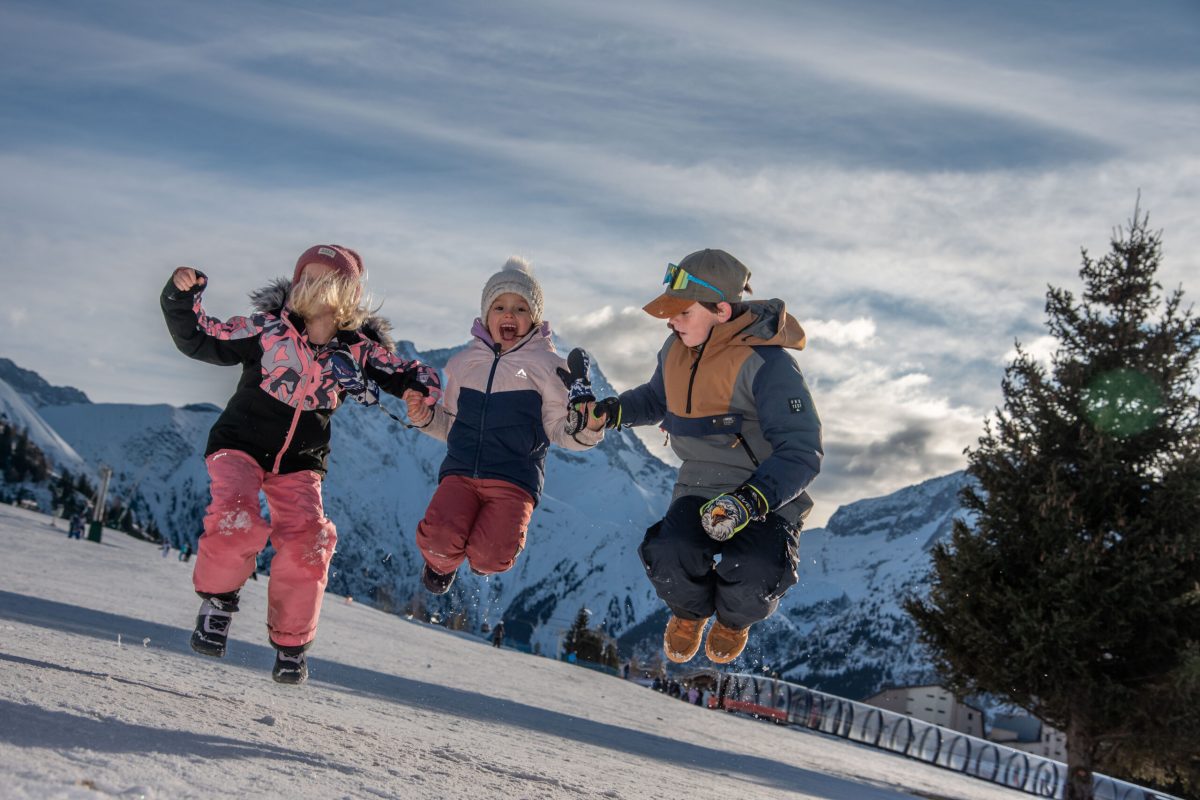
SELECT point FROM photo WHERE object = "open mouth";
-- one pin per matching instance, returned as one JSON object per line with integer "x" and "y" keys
{"x": 508, "y": 331}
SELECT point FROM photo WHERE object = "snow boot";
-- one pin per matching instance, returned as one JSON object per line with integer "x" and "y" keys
{"x": 291, "y": 665}
{"x": 724, "y": 644}
{"x": 212, "y": 624}
{"x": 436, "y": 582}
{"x": 681, "y": 639}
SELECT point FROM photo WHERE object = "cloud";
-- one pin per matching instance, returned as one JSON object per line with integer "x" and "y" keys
{"x": 909, "y": 182}
{"x": 858, "y": 332}
{"x": 625, "y": 342}
{"x": 1040, "y": 349}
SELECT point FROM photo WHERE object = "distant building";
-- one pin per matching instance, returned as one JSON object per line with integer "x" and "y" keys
{"x": 1023, "y": 732}
{"x": 931, "y": 704}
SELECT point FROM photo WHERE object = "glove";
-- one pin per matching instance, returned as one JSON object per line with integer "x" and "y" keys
{"x": 349, "y": 375}
{"x": 575, "y": 378}
{"x": 726, "y": 514}
{"x": 610, "y": 406}
{"x": 579, "y": 388}
{"x": 425, "y": 380}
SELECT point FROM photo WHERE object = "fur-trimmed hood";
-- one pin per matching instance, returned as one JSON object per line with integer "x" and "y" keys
{"x": 270, "y": 299}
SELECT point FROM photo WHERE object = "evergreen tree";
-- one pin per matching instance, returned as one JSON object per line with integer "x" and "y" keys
{"x": 577, "y": 633}
{"x": 19, "y": 466}
{"x": 83, "y": 487}
{"x": 1071, "y": 589}
{"x": 62, "y": 491}
{"x": 6, "y": 446}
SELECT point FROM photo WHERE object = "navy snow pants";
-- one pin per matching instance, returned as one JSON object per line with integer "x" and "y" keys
{"x": 756, "y": 567}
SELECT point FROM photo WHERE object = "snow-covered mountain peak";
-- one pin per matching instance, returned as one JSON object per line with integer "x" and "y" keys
{"x": 18, "y": 411}
{"x": 901, "y": 513}
{"x": 35, "y": 389}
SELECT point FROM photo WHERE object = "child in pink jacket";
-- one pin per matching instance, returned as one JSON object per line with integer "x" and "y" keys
{"x": 505, "y": 401}
{"x": 310, "y": 344}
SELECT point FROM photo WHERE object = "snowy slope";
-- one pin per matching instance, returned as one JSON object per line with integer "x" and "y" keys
{"x": 18, "y": 411}
{"x": 581, "y": 547}
{"x": 840, "y": 629}
{"x": 101, "y": 697}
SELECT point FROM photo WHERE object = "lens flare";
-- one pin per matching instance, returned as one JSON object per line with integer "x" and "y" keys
{"x": 1122, "y": 402}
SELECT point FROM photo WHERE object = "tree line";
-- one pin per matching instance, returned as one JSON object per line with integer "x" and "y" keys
{"x": 23, "y": 465}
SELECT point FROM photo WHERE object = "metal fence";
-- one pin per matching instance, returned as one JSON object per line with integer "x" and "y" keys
{"x": 792, "y": 704}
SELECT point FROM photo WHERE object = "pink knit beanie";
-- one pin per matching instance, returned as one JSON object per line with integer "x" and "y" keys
{"x": 342, "y": 259}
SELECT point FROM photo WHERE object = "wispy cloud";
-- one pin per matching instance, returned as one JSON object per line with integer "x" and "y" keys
{"x": 908, "y": 182}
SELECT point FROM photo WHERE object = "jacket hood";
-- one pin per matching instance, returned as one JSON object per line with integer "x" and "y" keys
{"x": 270, "y": 299}
{"x": 763, "y": 322}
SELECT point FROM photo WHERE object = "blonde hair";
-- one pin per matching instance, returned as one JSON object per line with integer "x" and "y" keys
{"x": 343, "y": 294}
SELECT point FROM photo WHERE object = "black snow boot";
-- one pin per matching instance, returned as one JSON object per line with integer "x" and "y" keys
{"x": 436, "y": 582}
{"x": 291, "y": 665}
{"x": 212, "y": 624}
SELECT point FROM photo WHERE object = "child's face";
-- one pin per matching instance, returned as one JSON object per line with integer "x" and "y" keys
{"x": 693, "y": 324}
{"x": 508, "y": 320}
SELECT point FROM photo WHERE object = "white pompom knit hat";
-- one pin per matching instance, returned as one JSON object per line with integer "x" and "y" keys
{"x": 515, "y": 276}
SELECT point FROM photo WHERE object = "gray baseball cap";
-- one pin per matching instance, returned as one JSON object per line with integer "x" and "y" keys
{"x": 706, "y": 276}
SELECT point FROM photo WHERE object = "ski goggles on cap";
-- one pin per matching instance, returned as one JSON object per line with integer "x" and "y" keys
{"x": 678, "y": 278}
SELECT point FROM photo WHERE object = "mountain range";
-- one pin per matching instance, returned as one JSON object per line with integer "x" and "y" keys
{"x": 841, "y": 629}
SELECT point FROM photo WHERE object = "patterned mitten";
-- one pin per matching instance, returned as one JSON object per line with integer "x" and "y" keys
{"x": 579, "y": 388}
{"x": 349, "y": 375}
{"x": 726, "y": 514}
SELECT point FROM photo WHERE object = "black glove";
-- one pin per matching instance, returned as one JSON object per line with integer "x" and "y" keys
{"x": 610, "y": 406}
{"x": 726, "y": 514}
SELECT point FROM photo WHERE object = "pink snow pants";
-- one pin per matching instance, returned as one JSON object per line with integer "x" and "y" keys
{"x": 235, "y": 532}
{"x": 480, "y": 519}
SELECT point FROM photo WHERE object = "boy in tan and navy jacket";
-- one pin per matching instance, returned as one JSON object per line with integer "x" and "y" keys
{"x": 740, "y": 417}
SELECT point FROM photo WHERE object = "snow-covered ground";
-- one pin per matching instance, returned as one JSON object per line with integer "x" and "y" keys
{"x": 101, "y": 696}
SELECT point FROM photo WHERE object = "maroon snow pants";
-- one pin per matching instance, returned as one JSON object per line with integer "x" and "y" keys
{"x": 482, "y": 520}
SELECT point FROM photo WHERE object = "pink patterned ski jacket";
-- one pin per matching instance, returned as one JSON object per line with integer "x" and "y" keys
{"x": 280, "y": 412}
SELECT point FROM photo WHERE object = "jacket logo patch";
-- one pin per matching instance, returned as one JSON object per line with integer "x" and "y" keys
{"x": 726, "y": 422}
{"x": 797, "y": 405}
{"x": 521, "y": 373}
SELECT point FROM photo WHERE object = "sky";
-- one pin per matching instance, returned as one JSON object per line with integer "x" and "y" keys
{"x": 908, "y": 176}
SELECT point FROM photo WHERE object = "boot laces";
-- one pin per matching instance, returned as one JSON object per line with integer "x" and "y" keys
{"x": 216, "y": 619}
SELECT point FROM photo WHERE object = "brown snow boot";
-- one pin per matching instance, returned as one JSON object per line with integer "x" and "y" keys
{"x": 724, "y": 644}
{"x": 681, "y": 639}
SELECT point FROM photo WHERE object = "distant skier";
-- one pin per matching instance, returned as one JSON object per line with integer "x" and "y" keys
{"x": 166, "y": 547}
{"x": 76, "y": 526}
{"x": 310, "y": 343}
{"x": 740, "y": 417}
{"x": 505, "y": 402}
{"x": 498, "y": 634}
